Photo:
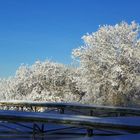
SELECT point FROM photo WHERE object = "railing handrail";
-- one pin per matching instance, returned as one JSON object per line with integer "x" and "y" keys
{"x": 64, "y": 105}
{"x": 73, "y": 120}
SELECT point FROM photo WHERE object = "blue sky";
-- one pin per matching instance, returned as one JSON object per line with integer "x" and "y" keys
{"x": 33, "y": 30}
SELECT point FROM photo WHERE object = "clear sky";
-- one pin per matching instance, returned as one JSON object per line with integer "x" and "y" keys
{"x": 33, "y": 30}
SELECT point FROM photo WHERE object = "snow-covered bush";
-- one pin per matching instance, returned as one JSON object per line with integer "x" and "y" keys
{"x": 43, "y": 81}
{"x": 110, "y": 63}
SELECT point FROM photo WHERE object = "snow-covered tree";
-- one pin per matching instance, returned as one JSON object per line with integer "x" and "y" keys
{"x": 110, "y": 65}
{"x": 108, "y": 72}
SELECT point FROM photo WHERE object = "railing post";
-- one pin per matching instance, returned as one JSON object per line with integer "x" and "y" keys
{"x": 35, "y": 109}
{"x": 91, "y": 113}
{"x": 61, "y": 111}
{"x": 21, "y": 108}
{"x": 42, "y": 128}
{"x": 33, "y": 131}
{"x": 89, "y": 132}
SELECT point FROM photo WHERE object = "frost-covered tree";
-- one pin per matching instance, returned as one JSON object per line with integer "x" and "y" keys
{"x": 108, "y": 72}
{"x": 42, "y": 81}
{"x": 110, "y": 65}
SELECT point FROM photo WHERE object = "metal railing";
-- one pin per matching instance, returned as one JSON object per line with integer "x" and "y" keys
{"x": 73, "y": 115}
{"x": 83, "y": 109}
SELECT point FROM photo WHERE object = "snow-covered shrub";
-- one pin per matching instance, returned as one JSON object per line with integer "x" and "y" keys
{"x": 110, "y": 65}
{"x": 43, "y": 81}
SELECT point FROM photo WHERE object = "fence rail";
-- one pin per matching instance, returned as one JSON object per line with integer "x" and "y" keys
{"x": 92, "y": 109}
{"x": 118, "y": 123}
